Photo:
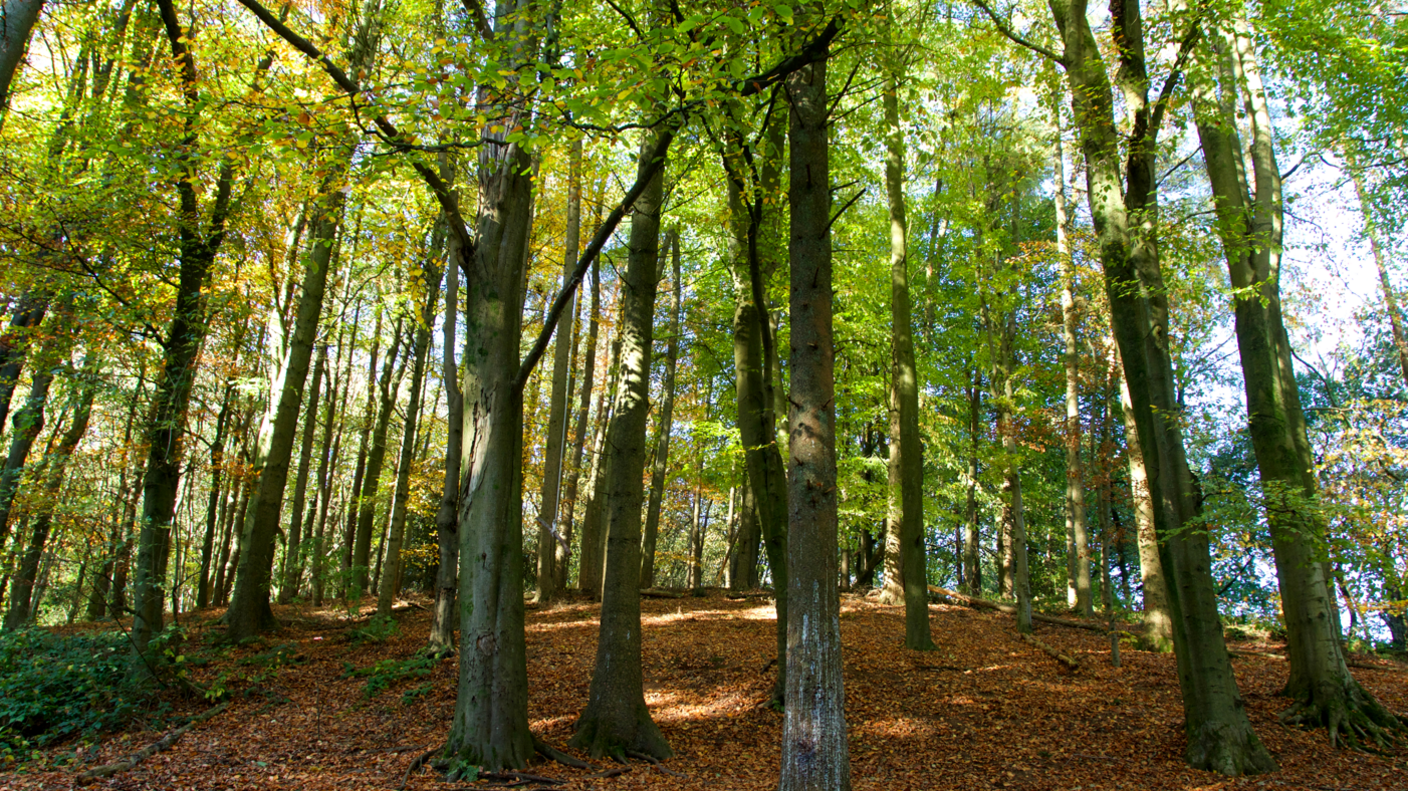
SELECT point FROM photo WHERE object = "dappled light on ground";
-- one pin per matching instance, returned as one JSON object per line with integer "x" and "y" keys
{"x": 984, "y": 711}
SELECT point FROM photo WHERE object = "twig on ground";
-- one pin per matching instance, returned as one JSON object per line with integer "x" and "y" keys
{"x": 613, "y": 772}
{"x": 164, "y": 743}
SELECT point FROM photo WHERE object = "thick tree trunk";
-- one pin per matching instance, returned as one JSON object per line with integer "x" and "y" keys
{"x": 815, "y": 756}
{"x": 549, "y": 539}
{"x": 662, "y": 431}
{"x": 249, "y": 613}
{"x": 1220, "y": 737}
{"x": 55, "y": 465}
{"x": 490, "y": 727}
{"x": 1323, "y": 692}
{"x": 906, "y": 445}
{"x": 17, "y": 19}
{"x": 616, "y": 717}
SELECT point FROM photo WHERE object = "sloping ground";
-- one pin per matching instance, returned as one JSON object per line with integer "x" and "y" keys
{"x": 985, "y": 711}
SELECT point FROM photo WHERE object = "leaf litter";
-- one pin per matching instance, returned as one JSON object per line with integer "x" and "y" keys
{"x": 984, "y": 711}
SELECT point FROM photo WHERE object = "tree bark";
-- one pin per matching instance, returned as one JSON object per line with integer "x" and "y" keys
{"x": 972, "y": 537}
{"x": 661, "y": 461}
{"x": 616, "y": 717}
{"x": 54, "y": 467}
{"x": 28, "y": 423}
{"x": 567, "y": 511}
{"x": 593, "y": 534}
{"x": 14, "y": 344}
{"x": 391, "y": 576}
{"x": 906, "y": 445}
{"x": 249, "y": 613}
{"x": 549, "y": 539}
{"x": 1076, "y": 527}
{"x": 815, "y": 755}
{"x": 365, "y": 511}
{"x": 1219, "y": 735}
{"x": 212, "y": 507}
{"x": 17, "y": 19}
{"x": 294, "y": 549}
{"x": 443, "y": 620}
{"x": 1158, "y": 621}
{"x": 1249, "y": 210}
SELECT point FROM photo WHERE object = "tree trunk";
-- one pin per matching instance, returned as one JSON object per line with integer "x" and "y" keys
{"x": 328, "y": 450}
{"x": 14, "y": 344}
{"x": 1219, "y": 735}
{"x": 212, "y": 507}
{"x": 1323, "y": 692}
{"x": 55, "y": 465}
{"x": 567, "y": 511}
{"x": 1158, "y": 622}
{"x": 249, "y": 613}
{"x": 815, "y": 755}
{"x": 973, "y": 569}
{"x": 29, "y": 422}
{"x": 391, "y": 576}
{"x": 616, "y": 717}
{"x": 490, "y": 727}
{"x": 17, "y": 18}
{"x": 294, "y": 549}
{"x": 906, "y": 445}
{"x": 593, "y": 534}
{"x": 365, "y": 512}
{"x": 1076, "y": 526}
{"x": 549, "y": 539}
{"x": 443, "y": 620}
{"x": 662, "y": 431}
{"x": 349, "y": 537}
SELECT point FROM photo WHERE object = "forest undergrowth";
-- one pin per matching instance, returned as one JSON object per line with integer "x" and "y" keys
{"x": 340, "y": 701}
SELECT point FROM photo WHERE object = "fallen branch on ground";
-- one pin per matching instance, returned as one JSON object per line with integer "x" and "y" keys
{"x": 417, "y": 764}
{"x": 736, "y": 595}
{"x": 1070, "y": 663}
{"x": 164, "y": 743}
{"x": 661, "y": 593}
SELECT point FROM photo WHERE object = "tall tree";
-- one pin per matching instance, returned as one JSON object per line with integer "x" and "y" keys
{"x": 661, "y": 461}
{"x": 815, "y": 755}
{"x": 1250, "y": 221}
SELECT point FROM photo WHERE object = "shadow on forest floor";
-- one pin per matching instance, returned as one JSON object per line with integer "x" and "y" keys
{"x": 984, "y": 711}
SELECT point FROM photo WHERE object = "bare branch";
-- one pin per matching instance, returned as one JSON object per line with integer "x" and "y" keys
{"x": 1006, "y": 30}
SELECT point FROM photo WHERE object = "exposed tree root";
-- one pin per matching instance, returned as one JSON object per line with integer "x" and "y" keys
{"x": 1352, "y": 717}
{"x": 553, "y": 754}
{"x": 164, "y": 743}
{"x": 417, "y": 764}
{"x": 653, "y": 761}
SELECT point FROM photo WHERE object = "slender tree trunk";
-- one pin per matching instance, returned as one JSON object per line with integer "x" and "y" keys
{"x": 815, "y": 756}
{"x": 1158, "y": 622}
{"x": 349, "y": 538}
{"x": 567, "y": 511}
{"x": 593, "y": 532}
{"x": 14, "y": 344}
{"x": 972, "y": 538}
{"x": 1076, "y": 526}
{"x": 371, "y": 480}
{"x": 215, "y": 498}
{"x": 249, "y": 612}
{"x": 29, "y": 422}
{"x": 549, "y": 539}
{"x": 55, "y": 465}
{"x": 443, "y": 620}
{"x": 328, "y": 450}
{"x": 616, "y": 717}
{"x": 293, "y": 548}
{"x": 906, "y": 445}
{"x": 662, "y": 431}
{"x": 391, "y": 577}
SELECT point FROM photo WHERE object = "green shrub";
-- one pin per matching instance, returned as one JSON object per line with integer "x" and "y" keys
{"x": 389, "y": 671}
{"x": 54, "y": 687}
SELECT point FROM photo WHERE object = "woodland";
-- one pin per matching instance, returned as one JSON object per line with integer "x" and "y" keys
{"x": 743, "y": 394}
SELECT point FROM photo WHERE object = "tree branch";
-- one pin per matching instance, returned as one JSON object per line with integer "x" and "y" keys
{"x": 1006, "y": 30}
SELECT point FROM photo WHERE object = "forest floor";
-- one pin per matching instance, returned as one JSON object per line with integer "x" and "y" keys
{"x": 986, "y": 710}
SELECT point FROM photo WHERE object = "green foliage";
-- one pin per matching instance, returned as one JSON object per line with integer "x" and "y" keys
{"x": 378, "y": 630}
{"x": 383, "y": 674}
{"x": 55, "y": 687}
